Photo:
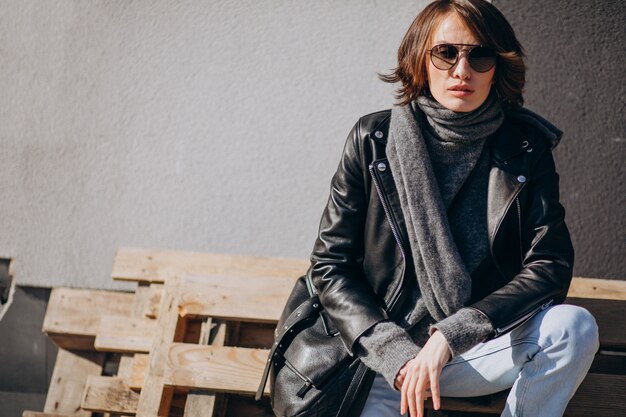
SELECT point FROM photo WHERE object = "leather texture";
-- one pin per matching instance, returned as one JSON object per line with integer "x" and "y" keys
{"x": 311, "y": 372}
{"x": 361, "y": 258}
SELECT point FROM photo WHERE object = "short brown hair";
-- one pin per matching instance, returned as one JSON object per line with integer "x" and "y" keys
{"x": 490, "y": 28}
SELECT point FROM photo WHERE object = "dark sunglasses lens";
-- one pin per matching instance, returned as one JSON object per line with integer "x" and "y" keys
{"x": 482, "y": 59}
{"x": 444, "y": 56}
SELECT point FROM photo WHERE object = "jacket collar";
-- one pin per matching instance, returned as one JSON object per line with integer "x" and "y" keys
{"x": 517, "y": 135}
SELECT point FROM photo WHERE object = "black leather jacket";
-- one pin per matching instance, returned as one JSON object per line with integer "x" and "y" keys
{"x": 361, "y": 260}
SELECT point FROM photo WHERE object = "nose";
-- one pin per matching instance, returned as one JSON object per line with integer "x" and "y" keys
{"x": 462, "y": 68}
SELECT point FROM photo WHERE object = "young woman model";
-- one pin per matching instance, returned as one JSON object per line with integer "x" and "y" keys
{"x": 442, "y": 253}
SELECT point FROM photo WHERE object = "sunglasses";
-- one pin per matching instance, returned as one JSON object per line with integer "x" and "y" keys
{"x": 481, "y": 58}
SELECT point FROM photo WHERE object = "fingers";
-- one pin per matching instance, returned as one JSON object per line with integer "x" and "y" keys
{"x": 434, "y": 387}
{"x": 411, "y": 394}
{"x": 420, "y": 396}
{"x": 403, "y": 395}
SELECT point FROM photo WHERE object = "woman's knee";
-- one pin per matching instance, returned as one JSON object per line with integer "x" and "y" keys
{"x": 573, "y": 325}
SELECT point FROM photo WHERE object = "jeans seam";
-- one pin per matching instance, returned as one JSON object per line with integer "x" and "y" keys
{"x": 536, "y": 368}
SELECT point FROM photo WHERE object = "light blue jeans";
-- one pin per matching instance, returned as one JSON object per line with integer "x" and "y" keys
{"x": 543, "y": 362}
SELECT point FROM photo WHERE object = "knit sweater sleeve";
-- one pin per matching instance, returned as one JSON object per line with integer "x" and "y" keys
{"x": 464, "y": 330}
{"x": 384, "y": 348}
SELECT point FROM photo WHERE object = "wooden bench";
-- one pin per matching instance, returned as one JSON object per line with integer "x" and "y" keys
{"x": 195, "y": 335}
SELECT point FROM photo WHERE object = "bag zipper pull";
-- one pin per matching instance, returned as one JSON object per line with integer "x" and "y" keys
{"x": 304, "y": 389}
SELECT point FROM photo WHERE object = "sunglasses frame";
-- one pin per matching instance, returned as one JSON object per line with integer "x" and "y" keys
{"x": 459, "y": 51}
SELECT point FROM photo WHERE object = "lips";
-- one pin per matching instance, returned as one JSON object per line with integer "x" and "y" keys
{"x": 461, "y": 87}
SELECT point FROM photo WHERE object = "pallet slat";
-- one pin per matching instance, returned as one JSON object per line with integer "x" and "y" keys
{"x": 73, "y": 315}
{"x": 600, "y": 289}
{"x": 125, "y": 334}
{"x": 69, "y": 377}
{"x": 259, "y": 300}
{"x": 215, "y": 368}
{"x": 155, "y": 398}
{"x": 133, "y": 264}
{"x": 109, "y": 395}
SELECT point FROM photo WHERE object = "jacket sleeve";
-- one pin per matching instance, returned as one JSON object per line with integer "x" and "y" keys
{"x": 547, "y": 254}
{"x": 337, "y": 257}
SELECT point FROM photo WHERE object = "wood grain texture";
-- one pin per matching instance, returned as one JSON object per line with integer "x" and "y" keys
{"x": 200, "y": 403}
{"x": 599, "y": 396}
{"x": 110, "y": 395}
{"x": 155, "y": 398}
{"x": 28, "y": 413}
{"x": 73, "y": 315}
{"x": 125, "y": 334}
{"x": 222, "y": 369}
{"x": 154, "y": 301}
{"x": 601, "y": 289}
{"x": 133, "y": 264}
{"x": 259, "y": 299}
{"x": 69, "y": 377}
{"x": 139, "y": 368}
{"x": 140, "y": 300}
{"x": 125, "y": 367}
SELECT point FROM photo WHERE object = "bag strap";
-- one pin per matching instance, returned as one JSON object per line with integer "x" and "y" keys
{"x": 306, "y": 311}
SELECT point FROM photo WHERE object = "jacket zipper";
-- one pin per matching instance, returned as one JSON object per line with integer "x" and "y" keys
{"x": 519, "y": 229}
{"x": 517, "y": 322}
{"x": 394, "y": 231}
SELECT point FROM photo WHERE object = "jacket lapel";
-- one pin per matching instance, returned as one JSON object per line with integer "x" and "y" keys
{"x": 508, "y": 175}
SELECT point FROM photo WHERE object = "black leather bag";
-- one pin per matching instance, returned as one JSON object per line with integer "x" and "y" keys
{"x": 311, "y": 372}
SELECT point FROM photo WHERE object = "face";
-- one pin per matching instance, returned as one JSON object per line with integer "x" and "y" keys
{"x": 460, "y": 88}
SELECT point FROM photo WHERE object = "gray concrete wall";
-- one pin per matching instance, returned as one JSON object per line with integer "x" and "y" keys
{"x": 192, "y": 125}
{"x": 216, "y": 126}
{"x": 576, "y": 54}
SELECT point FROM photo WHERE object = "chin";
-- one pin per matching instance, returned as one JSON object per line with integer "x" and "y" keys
{"x": 461, "y": 105}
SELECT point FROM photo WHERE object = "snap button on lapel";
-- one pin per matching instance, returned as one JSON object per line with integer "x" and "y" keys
{"x": 381, "y": 166}
{"x": 521, "y": 178}
{"x": 378, "y": 134}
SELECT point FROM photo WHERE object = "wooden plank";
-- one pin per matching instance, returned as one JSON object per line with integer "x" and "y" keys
{"x": 73, "y": 315}
{"x": 69, "y": 377}
{"x": 28, "y": 413}
{"x": 608, "y": 315}
{"x": 215, "y": 368}
{"x": 261, "y": 299}
{"x": 199, "y": 403}
{"x": 155, "y": 398}
{"x": 154, "y": 300}
{"x": 139, "y": 369}
{"x": 599, "y": 395}
{"x": 125, "y": 367}
{"x": 602, "y": 289}
{"x": 133, "y": 264}
{"x": 125, "y": 334}
{"x": 141, "y": 299}
{"x": 106, "y": 394}
{"x": 140, "y": 361}
{"x": 609, "y": 388}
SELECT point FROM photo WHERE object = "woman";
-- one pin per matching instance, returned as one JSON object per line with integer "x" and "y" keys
{"x": 442, "y": 253}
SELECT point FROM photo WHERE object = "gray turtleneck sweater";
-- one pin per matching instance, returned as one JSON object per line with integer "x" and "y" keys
{"x": 462, "y": 170}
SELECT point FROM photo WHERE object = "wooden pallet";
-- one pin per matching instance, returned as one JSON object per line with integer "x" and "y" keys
{"x": 194, "y": 337}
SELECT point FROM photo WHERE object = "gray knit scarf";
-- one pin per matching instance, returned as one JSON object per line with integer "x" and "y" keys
{"x": 443, "y": 278}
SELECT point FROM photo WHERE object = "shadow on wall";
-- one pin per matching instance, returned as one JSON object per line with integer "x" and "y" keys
{"x": 7, "y": 286}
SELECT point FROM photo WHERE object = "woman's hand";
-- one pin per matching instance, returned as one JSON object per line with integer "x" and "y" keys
{"x": 421, "y": 373}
